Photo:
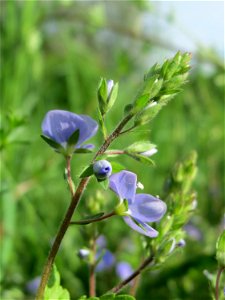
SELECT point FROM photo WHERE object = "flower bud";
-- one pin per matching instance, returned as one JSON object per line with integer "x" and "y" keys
{"x": 83, "y": 253}
{"x": 110, "y": 84}
{"x": 181, "y": 243}
{"x": 102, "y": 169}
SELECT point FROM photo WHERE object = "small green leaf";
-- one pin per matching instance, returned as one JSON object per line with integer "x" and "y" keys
{"x": 87, "y": 172}
{"x": 220, "y": 249}
{"x": 102, "y": 90}
{"x": 82, "y": 151}
{"x": 116, "y": 167}
{"x": 143, "y": 159}
{"x": 124, "y": 297}
{"x": 52, "y": 143}
{"x": 104, "y": 183}
{"x": 147, "y": 115}
{"x": 108, "y": 297}
{"x": 112, "y": 96}
{"x": 140, "y": 146}
{"x": 128, "y": 108}
{"x": 102, "y": 96}
{"x": 141, "y": 103}
{"x": 73, "y": 139}
{"x": 91, "y": 218}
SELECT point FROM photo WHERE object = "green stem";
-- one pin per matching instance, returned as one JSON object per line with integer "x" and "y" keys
{"x": 92, "y": 283}
{"x": 69, "y": 178}
{"x": 220, "y": 271}
{"x": 74, "y": 202}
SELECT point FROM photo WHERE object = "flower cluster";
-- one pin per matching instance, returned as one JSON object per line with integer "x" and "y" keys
{"x": 137, "y": 209}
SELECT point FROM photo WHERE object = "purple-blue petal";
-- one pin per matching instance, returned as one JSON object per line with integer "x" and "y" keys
{"x": 123, "y": 270}
{"x": 147, "y": 208}
{"x": 124, "y": 184}
{"x": 145, "y": 229}
{"x": 59, "y": 125}
{"x": 106, "y": 261}
{"x": 86, "y": 146}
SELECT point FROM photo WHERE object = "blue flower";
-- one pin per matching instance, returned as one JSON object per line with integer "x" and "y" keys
{"x": 102, "y": 169}
{"x": 59, "y": 126}
{"x": 137, "y": 209}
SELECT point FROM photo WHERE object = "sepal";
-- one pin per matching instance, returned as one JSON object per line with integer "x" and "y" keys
{"x": 87, "y": 172}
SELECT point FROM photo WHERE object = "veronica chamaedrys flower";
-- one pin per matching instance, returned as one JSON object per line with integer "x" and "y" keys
{"x": 59, "y": 126}
{"x": 102, "y": 169}
{"x": 139, "y": 209}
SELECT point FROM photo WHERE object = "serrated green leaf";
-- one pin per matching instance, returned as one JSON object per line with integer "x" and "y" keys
{"x": 54, "y": 290}
{"x": 87, "y": 172}
{"x": 73, "y": 139}
{"x": 51, "y": 143}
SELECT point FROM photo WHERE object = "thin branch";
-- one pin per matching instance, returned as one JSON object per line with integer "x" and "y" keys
{"x": 123, "y": 283}
{"x": 74, "y": 202}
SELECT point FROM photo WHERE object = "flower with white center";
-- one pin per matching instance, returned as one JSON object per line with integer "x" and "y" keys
{"x": 141, "y": 208}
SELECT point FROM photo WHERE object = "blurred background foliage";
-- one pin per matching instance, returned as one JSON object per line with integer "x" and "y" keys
{"x": 53, "y": 54}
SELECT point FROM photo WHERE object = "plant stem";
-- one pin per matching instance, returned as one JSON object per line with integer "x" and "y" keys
{"x": 92, "y": 283}
{"x": 74, "y": 202}
{"x": 85, "y": 222}
{"x": 220, "y": 271}
{"x": 123, "y": 283}
{"x": 61, "y": 232}
{"x": 69, "y": 178}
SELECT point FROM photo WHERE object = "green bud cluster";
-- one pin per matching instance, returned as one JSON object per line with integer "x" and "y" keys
{"x": 181, "y": 202}
{"x": 160, "y": 85}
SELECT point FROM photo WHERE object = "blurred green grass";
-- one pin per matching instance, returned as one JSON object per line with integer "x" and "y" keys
{"x": 53, "y": 55}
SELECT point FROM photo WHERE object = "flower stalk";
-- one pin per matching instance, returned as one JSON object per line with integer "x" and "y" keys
{"x": 136, "y": 273}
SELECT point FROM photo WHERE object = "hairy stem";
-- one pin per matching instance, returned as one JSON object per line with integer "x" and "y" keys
{"x": 74, "y": 202}
{"x": 220, "y": 271}
{"x": 123, "y": 283}
{"x": 85, "y": 222}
